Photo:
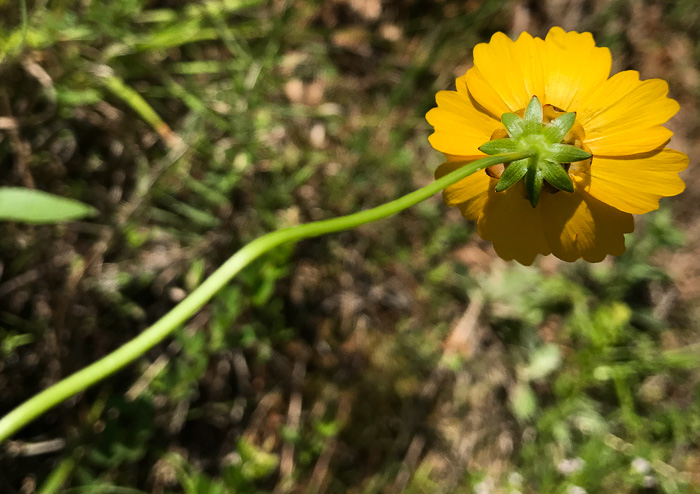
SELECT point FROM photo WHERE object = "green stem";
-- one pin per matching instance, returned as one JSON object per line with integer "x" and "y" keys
{"x": 58, "y": 477}
{"x": 153, "y": 335}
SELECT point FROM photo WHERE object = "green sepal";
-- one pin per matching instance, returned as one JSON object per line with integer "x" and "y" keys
{"x": 513, "y": 124}
{"x": 557, "y": 129}
{"x": 512, "y": 174}
{"x": 498, "y": 146}
{"x": 533, "y": 184}
{"x": 555, "y": 175}
{"x": 533, "y": 117}
{"x": 543, "y": 142}
{"x": 565, "y": 153}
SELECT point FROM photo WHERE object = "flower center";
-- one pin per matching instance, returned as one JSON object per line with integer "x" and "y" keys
{"x": 555, "y": 142}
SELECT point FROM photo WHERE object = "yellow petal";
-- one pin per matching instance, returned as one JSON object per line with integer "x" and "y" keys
{"x": 635, "y": 184}
{"x": 513, "y": 225}
{"x": 484, "y": 94}
{"x": 624, "y": 115}
{"x": 470, "y": 193}
{"x": 513, "y": 70}
{"x": 528, "y": 52}
{"x": 460, "y": 127}
{"x": 573, "y": 67}
{"x": 578, "y": 225}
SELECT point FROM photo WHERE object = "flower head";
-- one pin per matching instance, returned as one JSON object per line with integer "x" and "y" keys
{"x": 600, "y": 143}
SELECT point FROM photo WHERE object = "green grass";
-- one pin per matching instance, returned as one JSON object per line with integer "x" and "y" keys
{"x": 196, "y": 127}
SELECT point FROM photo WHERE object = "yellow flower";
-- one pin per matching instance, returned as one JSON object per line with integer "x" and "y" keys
{"x": 618, "y": 120}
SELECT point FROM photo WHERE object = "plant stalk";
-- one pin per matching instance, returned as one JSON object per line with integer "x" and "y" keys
{"x": 130, "y": 351}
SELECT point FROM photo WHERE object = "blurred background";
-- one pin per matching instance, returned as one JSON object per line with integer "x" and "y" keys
{"x": 403, "y": 356}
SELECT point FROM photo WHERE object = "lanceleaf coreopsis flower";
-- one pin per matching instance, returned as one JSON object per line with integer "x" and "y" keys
{"x": 603, "y": 146}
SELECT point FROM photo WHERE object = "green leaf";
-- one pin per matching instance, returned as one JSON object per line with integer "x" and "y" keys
{"x": 35, "y": 206}
{"x": 533, "y": 184}
{"x": 498, "y": 146}
{"x": 565, "y": 153}
{"x": 257, "y": 463}
{"x": 513, "y": 124}
{"x": 533, "y": 116}
{"x": 512, "y": 174}
{"x": 555, "y": 130}
{"x": 555, "y": 175}
{"x": 523, "y": 401}
{"x": 543, "y": 362}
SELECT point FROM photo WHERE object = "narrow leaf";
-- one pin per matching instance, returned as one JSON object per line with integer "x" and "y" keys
{"x": 564, "y": 153}
{"x": 555, "y": 175}
{"x": 555, "y": 130}
{"x": 498, "y": 146}
{"x": 35, "y": 206}
{"x": 533, "y": 116}
{"x": 513, "y": 124}
{"x": 533, "y": 184}
{"x": 512, "y": 174}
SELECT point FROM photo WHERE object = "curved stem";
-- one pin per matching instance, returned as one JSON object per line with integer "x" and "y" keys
{"x": 153, "y": 335}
